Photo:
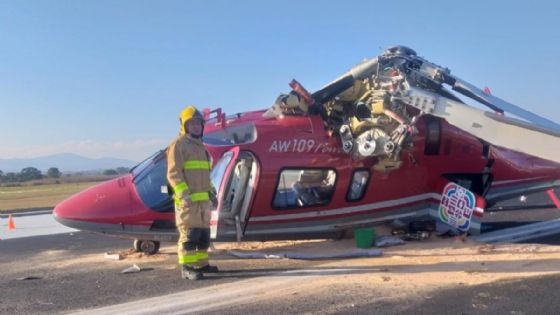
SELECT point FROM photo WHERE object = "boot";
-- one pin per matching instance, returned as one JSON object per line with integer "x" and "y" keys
{"x": 190, "y": 273}
{"x": 209, "y": 269}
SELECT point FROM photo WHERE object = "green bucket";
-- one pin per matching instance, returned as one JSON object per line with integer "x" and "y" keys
{"x": 365, "y": 237}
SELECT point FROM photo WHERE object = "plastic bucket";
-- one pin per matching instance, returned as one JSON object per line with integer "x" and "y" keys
{"x": 365, "y": 237}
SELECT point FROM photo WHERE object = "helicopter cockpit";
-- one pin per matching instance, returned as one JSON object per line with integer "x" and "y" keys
{"x": 150, "y": 181}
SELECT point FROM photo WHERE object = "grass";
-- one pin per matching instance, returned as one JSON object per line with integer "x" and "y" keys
{"x": 39, "y": 196}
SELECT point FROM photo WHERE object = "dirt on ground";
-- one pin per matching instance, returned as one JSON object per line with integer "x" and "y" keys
{"x": 416, "y": 270}
{"x": 433, "y": 261}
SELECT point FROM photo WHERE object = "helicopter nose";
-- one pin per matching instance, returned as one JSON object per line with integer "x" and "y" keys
{"x": 107, "y": 202}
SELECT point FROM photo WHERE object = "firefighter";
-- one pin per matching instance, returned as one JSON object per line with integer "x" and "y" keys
{"x": 188, "y": 173}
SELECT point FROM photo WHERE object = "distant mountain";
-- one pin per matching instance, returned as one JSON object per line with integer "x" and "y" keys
{"x": 65, "y": 162}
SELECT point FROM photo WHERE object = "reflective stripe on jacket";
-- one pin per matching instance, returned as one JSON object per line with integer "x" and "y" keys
{"x": 188, "y": 173}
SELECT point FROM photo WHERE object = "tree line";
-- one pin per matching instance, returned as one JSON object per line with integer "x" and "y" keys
{"x": 32, "y": 173}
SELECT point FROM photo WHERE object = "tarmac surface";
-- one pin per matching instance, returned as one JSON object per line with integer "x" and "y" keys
{"x": 32, "y": 225}
{"x": 68, "y": 272}
{"x": 537, "y": 295}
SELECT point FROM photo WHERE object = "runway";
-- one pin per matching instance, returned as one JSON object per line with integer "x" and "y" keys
{"x": 32, "y": 225}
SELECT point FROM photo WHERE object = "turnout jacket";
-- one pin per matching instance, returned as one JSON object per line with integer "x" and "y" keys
{"x": 188, "y": 173}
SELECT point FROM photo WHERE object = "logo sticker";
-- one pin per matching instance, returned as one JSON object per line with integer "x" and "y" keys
{"x": 457, "y": 206}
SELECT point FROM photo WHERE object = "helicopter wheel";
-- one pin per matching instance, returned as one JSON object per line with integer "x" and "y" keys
{"x": 148, "y": 247}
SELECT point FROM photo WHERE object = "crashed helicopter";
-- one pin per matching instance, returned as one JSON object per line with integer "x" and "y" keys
{"x": 390, "y": 139}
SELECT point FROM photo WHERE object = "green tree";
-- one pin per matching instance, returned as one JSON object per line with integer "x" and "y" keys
{"x": 110, "y": 172}
{"x": 30, "y": 173}
{"x": 53, "y": 172}
{"x": 11, "y": 177}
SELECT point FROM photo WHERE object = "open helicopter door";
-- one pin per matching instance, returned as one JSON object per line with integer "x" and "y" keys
{"x": 238, "y": 172}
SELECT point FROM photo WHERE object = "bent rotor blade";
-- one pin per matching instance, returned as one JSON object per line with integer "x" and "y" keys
{"x": 496, "y": 129}
{"x": 499, "y": 105}
{"x": 503, "y": 131}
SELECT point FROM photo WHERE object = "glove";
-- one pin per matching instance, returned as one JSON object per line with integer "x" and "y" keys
{"x": 186, "y": 201}
{"x": 213, "y": 198}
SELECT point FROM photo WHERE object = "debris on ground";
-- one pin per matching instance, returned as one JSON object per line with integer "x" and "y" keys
{"x": 421, "y": 230}
{"x": 28, "y": 278}
{"x": 305, "y": 256}
{"x": 389, "y": 240}
{"x": 133, "y": 269}
{"x": 113, "y": 256}
{"x": 446, "y": 230}
{"x": 253, "y": 255}
{"x": 422, "y": 226}
{"x": 130, "y": 253}
{"x": 417, "y": 236}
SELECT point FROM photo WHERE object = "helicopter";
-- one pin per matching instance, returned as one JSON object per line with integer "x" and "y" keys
{"x": 392, "y": 138}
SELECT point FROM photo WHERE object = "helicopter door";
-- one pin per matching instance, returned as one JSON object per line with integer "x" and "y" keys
{"x": 236, "y": 194}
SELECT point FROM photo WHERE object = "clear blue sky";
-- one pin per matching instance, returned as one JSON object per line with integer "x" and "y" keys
{"x": 108, "y": 78}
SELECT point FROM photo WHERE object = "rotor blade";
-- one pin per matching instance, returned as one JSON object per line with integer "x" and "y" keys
{"x": 503, "y": 131}
{"x": 496, "y": 129}
{"x": 345, "y": 81}
{"x": 499, "y": 105}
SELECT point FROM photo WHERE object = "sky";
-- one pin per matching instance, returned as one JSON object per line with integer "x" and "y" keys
{"x": 108, "y": 78}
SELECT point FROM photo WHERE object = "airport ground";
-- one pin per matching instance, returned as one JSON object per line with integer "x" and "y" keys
{"x": 66, "y": 273}
{"x": 43, "y": 194}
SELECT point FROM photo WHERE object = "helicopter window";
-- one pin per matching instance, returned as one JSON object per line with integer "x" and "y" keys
{"x": 150, "y": 181}
{"x": 219, "y": 170}
{"x": 299, "y": 188}
{"x": 358, "y": 185}
{"x": 241, "y": 134}
{"x": 140, "y": 167}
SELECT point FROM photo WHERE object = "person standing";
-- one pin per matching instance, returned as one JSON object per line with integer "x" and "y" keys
{"x": 188, "y": 173}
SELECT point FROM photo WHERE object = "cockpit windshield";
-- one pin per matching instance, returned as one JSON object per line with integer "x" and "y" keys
{"x": 150, "y": 180}
{"x": 140, "y": 167}
{"x": 232, "y": 135}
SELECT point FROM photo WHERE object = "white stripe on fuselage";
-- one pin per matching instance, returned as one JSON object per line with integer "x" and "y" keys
{"x": 332, "y": 227}
{"x": 347, "y": 210}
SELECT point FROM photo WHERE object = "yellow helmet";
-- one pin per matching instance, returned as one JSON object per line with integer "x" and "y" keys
{"x": 187, "y": 114}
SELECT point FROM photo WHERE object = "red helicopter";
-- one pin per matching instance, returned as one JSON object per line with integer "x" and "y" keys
{"x": 387, "y": 140}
